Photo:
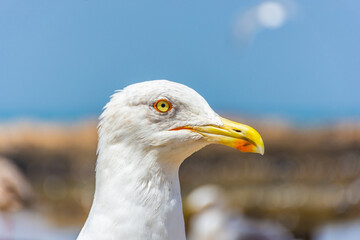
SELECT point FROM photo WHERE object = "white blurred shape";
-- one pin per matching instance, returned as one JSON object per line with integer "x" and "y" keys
{"x": 213, "y": 219}
{"x": 343, "y": 231}
{"x": 271, "y": 14}
{"x": 204, "y": 197}
{"x": 210, "y": 225}
{"x": 268, "y": 14}
{"x": 27, "y": 225}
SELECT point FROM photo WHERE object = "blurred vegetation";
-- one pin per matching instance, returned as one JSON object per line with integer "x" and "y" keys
{"x": 307, "y": 177}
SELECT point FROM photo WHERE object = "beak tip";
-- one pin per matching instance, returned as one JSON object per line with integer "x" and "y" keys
{"x": 261, "y": 147}
{"x": 261, "y": 150}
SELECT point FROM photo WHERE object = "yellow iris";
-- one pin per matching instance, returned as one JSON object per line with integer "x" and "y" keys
{"x": 162, "y": 105}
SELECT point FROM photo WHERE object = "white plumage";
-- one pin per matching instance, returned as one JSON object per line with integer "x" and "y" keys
{"x": 140, "y": 150}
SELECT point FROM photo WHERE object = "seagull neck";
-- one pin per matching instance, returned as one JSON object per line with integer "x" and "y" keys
{"x": 137, "y": 196}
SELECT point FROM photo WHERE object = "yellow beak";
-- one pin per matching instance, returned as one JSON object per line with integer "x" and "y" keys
{"x": 232, "y": 134}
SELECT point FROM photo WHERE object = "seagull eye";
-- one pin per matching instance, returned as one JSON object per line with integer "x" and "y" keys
{"x": 162, "y": 105}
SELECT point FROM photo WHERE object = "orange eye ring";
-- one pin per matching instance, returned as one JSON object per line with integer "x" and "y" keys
{"x": 162, "y": 105}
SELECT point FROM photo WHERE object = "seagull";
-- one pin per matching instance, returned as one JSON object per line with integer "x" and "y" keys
{"x": 145, "y": 132}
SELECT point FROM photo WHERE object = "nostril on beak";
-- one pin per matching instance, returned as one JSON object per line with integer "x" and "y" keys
{"x": 237, "y": 130}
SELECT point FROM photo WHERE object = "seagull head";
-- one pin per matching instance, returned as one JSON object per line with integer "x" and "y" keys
{"x": 145, "y": 132}
{"x": 170, "y": 119}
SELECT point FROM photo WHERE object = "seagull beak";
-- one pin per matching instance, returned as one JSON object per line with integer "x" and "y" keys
{"x": 232, "y": 134}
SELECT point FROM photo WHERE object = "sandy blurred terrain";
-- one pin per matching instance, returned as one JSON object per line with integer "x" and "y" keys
{"x": 308, "y": 176}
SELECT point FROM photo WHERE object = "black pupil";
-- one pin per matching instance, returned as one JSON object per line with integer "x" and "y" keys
{"x": 163, "y": 105}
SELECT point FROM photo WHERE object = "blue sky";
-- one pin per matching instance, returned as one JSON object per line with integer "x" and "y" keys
{"x": 62, "y": 59}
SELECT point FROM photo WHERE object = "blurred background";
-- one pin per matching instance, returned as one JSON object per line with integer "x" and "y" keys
{"x": 288, "y": 68}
